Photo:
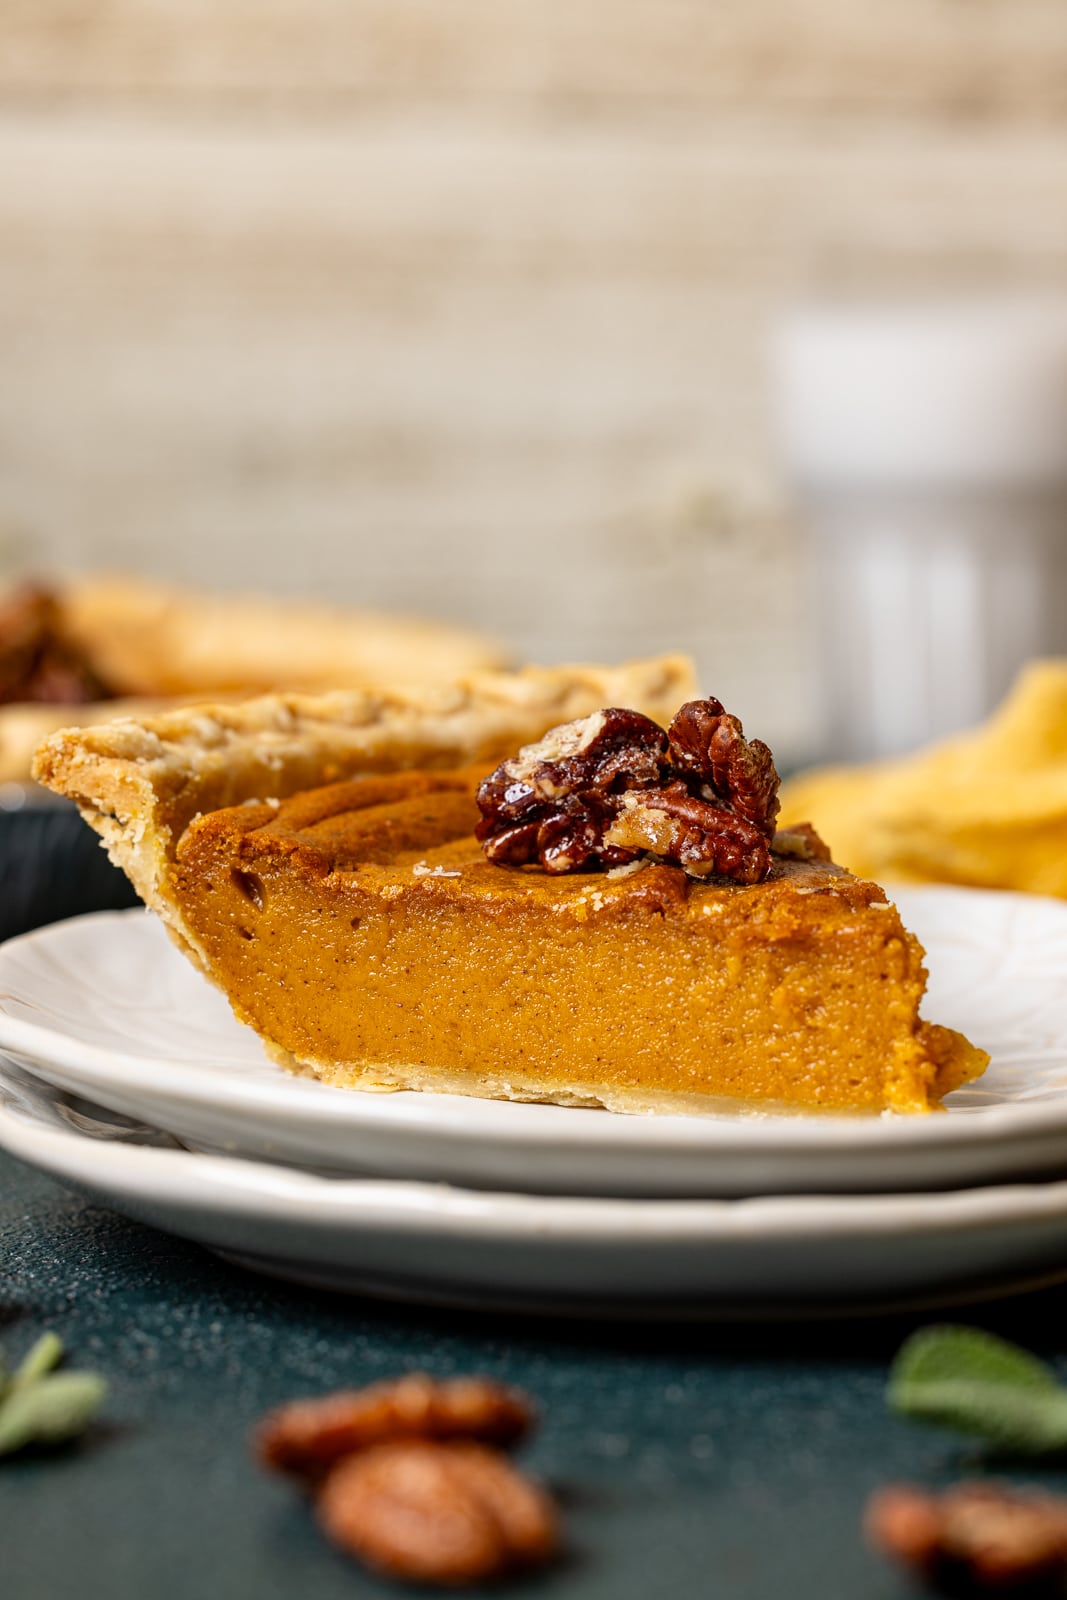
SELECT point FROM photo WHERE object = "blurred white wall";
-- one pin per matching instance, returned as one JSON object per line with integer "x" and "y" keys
{"x": 464, "y": 307}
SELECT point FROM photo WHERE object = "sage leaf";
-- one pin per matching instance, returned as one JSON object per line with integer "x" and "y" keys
{"x": 50, "y": 1410}
{"x": 42, "y": 1357}
{"x": 971, "y": 1381}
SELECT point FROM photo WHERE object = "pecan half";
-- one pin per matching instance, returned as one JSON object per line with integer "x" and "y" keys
{"x": 553, "y": 802}
{"x": 432, "y": 1512}
{"x": 802, "y": 842}
{"x": 700, "y": 837}
{"x": 707, "y": 744}
{"x": 985, "y": 1537}
{"x": 308, "y": 1436}
{"x": 608, "y": 749}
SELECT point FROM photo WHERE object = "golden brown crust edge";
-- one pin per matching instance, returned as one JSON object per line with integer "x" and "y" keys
{"x": 140, "y": 781}
{"x": 24, "y": 724}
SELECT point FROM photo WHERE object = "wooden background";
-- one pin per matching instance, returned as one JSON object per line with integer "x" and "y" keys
{"x": 465, "y": 305}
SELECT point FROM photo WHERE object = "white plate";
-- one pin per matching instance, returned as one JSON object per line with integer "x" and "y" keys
{"x": 784, "y": 1256}
{"x": 104, "y": 1006}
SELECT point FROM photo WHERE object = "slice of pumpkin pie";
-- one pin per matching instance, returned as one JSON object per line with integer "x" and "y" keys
{"x": 608, "y": 917}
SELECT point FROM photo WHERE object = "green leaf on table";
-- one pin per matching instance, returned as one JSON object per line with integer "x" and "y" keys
{"x": 50, "y": 1409}
{"x": 43, "y": 1356}
{"x": 41, "y": 1406}
{"x": 971, "y": 1381}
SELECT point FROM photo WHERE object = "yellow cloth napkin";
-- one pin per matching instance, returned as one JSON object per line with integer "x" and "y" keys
{"x": 988, "y": 807}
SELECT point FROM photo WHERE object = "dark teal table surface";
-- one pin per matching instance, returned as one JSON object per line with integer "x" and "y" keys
{"x": 692, "y": 1461}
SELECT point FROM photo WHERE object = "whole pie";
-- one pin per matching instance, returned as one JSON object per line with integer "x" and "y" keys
{"x": 607, "y": 916}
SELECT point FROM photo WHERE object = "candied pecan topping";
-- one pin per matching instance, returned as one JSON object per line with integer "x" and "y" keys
{"x": 554, "y": 801}
{"x": 605, "y": 752}
{"x": 701, "y": 837}
{"x": 802, "y": 841}
{"x": 564, "y": 839}
{"x": 710, "y": 746}
{"x": 983, "y": 1537}
{"x": 308, "y": 1436}
{"x": 445, "y": 1513}
{"x": 36, "y": 661}
{"x": 611, "y": 787}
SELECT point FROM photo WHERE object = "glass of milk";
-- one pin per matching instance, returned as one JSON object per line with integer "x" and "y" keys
{"x": 926, "y": 444}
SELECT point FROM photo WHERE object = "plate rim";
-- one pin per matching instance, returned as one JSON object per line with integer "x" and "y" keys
{"x": 193, "y": 1182}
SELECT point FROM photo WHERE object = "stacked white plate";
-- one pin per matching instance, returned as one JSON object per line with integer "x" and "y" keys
{"x": 125, "y": 1075}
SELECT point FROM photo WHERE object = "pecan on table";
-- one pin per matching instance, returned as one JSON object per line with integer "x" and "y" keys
{"x": 977, "y": 1538}
{"x": 409, "y": 1475}
{"x": 307, "y": 1437}
{"x": 434, "y": 1512}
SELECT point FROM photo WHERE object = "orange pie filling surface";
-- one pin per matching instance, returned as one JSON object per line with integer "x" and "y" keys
{"x": 362, "y": 931}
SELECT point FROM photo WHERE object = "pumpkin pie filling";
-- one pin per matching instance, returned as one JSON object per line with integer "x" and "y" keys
{"x": 361, "y": 930}
{"x": 639, "y": 936}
